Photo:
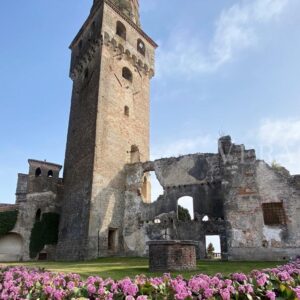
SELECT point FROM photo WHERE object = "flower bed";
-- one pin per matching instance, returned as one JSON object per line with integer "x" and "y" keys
{"x": 282, "y": 282}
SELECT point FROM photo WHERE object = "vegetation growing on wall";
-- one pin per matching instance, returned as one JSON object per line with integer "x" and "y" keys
{"x": 183, "y": 214}
{"x": 44, "y": 232}
{"x": 8, "y": 221}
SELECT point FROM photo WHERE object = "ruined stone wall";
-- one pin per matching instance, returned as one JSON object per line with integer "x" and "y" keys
{"x": 197, "y": 176}
{"x": 229, "y": 187}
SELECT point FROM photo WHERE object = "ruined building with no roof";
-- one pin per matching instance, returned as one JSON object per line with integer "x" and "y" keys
{"x": 102, "y": 205}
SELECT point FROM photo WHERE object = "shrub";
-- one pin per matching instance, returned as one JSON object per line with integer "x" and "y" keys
{"x": 183, "y": 214}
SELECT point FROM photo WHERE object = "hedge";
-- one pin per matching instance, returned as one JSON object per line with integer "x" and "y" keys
{"x": 44, "y": 232}
{"x": 8, "y": 220}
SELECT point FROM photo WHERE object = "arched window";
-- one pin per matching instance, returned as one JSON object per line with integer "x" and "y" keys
{"x": 141, "y": 48}
{"x": 126, "y": 111}
{"x": 50, "y": 174}
{"x": 38, "y": 215}
{"x": 127, "y": 74}
{"x": 38, "y": 172}
{"x": 134, "y": 154}
{"x": 121, "y": 30}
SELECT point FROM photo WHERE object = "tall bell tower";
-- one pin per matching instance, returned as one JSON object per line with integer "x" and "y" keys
{"x": 111, "y": 67}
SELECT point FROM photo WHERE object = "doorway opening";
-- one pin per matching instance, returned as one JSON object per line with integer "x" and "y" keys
{"x": 213, "y": 247}
{"x": 112, "y": 239}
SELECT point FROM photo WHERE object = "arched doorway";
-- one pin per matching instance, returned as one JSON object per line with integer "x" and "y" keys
{"x": 11, "y": 247}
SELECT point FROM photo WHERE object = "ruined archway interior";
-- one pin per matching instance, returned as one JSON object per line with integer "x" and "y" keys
{"x": 151, "y": 187}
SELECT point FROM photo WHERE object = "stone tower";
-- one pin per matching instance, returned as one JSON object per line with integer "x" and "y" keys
{"x": 111, "y": 67}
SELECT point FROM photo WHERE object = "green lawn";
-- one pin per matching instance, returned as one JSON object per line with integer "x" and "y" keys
{"x": 118, "y": 268}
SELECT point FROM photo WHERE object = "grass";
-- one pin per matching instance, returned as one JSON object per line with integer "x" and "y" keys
{"x": 118, "y": 268}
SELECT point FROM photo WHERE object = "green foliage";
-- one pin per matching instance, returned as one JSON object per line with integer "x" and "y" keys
{"x": 44, "y": 232}
{"x": 37, "y": 242}
{"x": 8, "y": 221}
{"x": 183, "y": 214}
{"x": 210, "y": 250}
{"x": 51, "y": 221}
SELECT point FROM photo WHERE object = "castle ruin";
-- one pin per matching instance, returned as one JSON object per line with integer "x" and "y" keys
{"x": 103, "y": 200}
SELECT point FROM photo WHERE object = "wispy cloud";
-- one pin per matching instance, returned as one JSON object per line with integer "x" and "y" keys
{"x": 280, "y": 140}
{"x": 280, "y": 132}
{"x": 236, "y": 29}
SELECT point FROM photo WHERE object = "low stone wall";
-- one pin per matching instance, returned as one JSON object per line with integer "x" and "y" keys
{"x": 167, "y": 256}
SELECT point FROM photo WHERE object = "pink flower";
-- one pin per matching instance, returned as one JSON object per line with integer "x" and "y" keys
{"x": 262, "y": 279}
{"x": 271, "y": 295}
{"x": 91, "y": 289}
{"x": 208, "y": 293}
{"x": 225, "y": 294}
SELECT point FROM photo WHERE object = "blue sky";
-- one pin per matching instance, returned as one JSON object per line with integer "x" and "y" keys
{"x": 223, "y": 67}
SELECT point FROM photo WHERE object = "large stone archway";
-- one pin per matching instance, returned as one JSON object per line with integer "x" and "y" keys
{"x": 11, "y": 247}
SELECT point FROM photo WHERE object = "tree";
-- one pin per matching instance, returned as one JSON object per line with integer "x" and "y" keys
{"x": 183, "y": 214}
{"x": 210, "y": 250}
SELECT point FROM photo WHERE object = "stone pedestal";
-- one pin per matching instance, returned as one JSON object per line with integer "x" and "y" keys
{"x": 165, "y": 256}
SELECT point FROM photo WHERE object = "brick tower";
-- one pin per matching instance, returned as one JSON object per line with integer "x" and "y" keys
{"x": 111, "y": 67}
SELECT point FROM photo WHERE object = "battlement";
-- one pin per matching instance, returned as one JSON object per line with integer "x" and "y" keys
{"x": 129, "y": 8}
{"x": 110, "y": 26}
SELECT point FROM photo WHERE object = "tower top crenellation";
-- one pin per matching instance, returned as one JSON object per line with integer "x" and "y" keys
{"x": 128, "y": 7}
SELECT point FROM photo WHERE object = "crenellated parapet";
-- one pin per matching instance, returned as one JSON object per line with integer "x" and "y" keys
{"x": 123, "y": 52}
{"x": 109, "y": 26}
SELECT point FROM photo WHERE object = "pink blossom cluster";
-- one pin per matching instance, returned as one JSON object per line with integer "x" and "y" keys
{"x": 282, "y": 282}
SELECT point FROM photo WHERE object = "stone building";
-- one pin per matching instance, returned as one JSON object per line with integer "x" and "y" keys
{"x": 103, "y": 199}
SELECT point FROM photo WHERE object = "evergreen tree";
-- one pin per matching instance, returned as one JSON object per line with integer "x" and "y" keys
{"x": 210, "y": 250}
{"x": 183, "y": 214}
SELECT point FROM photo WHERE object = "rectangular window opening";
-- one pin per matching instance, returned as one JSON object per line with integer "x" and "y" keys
{"x": 274, "y": 213}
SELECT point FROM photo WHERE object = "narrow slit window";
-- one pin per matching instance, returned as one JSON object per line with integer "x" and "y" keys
{"x": 86, "y": 73}
{"x": 126, "y": 111}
